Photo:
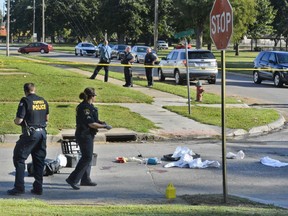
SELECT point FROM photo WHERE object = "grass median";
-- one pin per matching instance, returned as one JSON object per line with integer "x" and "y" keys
{"x": 209, "y": 206}
{"x": 236, "y": 118}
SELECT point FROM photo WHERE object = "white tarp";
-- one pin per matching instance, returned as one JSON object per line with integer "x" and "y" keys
{"x": 272, "y": 162}
{"x": 186, "y": 160}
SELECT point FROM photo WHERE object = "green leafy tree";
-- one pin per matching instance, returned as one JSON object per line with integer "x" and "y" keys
{"x": 78, "y": 16}
{"x": 125, "y": 17}
{"x": 243, "y": 16}
{"x": 280, "y": 22}
{"x": 193, "y": 14}
{"x": 265, "y": 15}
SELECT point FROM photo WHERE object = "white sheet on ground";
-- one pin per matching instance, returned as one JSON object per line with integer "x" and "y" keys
{"x": 272, "y": 162}
{"x": 186, "y": 160}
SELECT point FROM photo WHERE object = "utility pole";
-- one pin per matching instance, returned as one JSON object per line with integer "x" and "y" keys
{"x": 33, "y": 36}
{"x": 43, "y": 21}
{"x": 156, "y": 25}
{"x": 8, "y": 28}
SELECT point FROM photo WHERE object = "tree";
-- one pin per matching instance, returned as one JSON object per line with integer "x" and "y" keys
{"x": 243, "y": 16}
{"x": 265, "y": 15}
{"x": 280, "y": 23}
{"x": 193, "y": 14}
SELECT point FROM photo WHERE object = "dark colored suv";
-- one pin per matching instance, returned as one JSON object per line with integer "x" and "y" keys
{"x": 271, "y": 65}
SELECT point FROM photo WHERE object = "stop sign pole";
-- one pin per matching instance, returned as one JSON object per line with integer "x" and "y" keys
{"x": 221, "y": 28}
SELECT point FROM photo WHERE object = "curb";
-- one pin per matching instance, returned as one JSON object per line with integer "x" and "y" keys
{"x": 123, "y": 135}
{"x": 259, "y": 130}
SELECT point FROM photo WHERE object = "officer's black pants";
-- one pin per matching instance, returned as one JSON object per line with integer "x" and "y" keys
{"x": 98, "y": 68}
{"x": 36, "y": 146}
{"x": 83, "y": 167}
{"x": 149, "y": 75}
{"x": 128, "y": 76}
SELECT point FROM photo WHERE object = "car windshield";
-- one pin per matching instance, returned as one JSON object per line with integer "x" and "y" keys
{"x": 87, "y": 45}
{"x": 282, "y": 58}
{"x": 198, "y": 55}
{"x": 141, "y": 49}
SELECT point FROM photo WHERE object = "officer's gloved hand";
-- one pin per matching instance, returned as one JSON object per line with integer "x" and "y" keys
{"x": 108, "y": 127}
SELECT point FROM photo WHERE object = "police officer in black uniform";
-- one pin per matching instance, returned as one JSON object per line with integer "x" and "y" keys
{"x": 128, "y": 59}
{"x": 149, "y": 59}
{"x": 32, "y": 115}
{"x": 87, "y": 124}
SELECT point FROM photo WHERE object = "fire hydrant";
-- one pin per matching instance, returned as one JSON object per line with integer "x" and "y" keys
{"x": 199, "y": 91}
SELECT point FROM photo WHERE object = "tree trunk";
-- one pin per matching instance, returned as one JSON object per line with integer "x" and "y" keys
{"x": 276, "y": 42}
{"x": 209, "y": 46}
{"x": 237, "y": 49}
{"x": 120, "y": 38}
{"x": 199, "y": 37}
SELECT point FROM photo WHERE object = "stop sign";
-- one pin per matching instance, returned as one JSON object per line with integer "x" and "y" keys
{"x": 221, "y": 23}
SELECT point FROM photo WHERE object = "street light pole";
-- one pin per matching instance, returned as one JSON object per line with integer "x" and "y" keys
{"x": 156, "y": 24}
{"x": 8, "y": 28}
{"x": 33, "y": 36}
{"x": 43, "y": 21}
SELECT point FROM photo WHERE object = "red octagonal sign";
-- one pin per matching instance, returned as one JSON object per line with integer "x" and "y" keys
{"x": 221, "y": 23}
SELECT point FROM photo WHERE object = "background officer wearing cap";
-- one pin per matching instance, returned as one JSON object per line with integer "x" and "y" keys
{"x": 32, "y": 115}
{"x": 87, "y": 124}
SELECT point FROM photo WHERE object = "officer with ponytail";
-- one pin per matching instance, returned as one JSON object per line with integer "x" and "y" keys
{"x": 87, "y": 124}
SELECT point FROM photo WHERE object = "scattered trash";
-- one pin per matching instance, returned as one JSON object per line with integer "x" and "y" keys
{"x": 239, "y": 155}
{"x": 128, "y": 159}
{"x": 170, "y": 191}
{"x": 133, "y": 159}
{"x": 62, "y": 160}
{"x": 187, "y": 160}
{"x": 121, "y": 160}
{"x": 153, "y": 161}
{"x": 169, "y": 157}
{"x": 272, "y": 162}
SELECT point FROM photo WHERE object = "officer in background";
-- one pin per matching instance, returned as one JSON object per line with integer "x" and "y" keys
{"x": 105, "y": 57}
{"x": 128, "y": 59}
{"x": 149, "y": 60}
{"x": 32, "y": 115}
{"x": 87, "y": 124}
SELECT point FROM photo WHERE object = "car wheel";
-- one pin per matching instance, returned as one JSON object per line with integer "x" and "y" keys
{"x": 76, "y": 53}
{"x": 42, "y": 51}
{"x": 161, "y": 77}
{"x": 212, "y": 81}
{"x": 256, "y": 77}
{"x": 277, "y": 80}
{"x": 178, "y": 79}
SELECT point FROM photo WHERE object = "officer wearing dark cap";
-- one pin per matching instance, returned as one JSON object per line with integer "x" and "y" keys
{"x": 32, "y": 115}
{"x": 87, "y": 124}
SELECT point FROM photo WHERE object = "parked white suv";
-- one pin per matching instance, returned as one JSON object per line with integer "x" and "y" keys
{"x": 202, "y": 66}
{"x": 161, "y": 44}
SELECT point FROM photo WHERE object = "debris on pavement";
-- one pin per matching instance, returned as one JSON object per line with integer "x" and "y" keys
{"x": 187, "y": 160}
{"x": 240, "y": 155}
{"x": 272, "y": 162}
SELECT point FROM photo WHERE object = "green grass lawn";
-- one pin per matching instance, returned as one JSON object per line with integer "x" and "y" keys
{"x": 61, "y": 86}
{"x": 236, "y": 118}
{"x": 37, "y": 207}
